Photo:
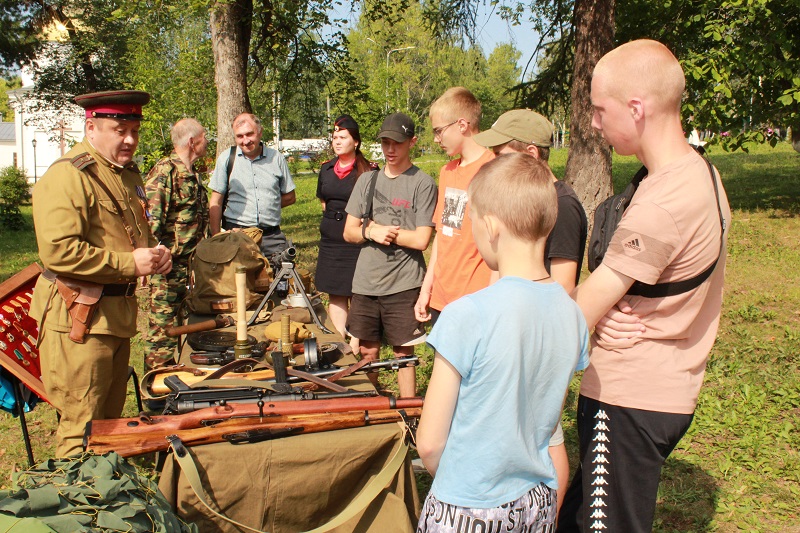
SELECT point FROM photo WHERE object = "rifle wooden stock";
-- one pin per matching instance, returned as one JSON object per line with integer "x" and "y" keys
{"x": 215, "y": 323}
{"x": 241, "y": 430}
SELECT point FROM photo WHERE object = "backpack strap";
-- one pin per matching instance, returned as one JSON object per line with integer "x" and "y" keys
{"x": 231, "y": 160}
{"x": 660, "y": 290}
{"x": 228, "y": 170}
{"x": 373, "y": 179}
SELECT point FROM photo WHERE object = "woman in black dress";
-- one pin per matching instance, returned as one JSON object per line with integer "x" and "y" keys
{"x": 337, "y": 259}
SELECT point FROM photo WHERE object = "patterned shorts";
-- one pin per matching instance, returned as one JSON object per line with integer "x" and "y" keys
{"x": 534, "y": 512}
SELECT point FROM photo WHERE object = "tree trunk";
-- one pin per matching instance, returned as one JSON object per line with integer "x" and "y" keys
{"x": 588, "y": 168}
{"x": 796, "y": 138}
{"x": 231, "y": 25}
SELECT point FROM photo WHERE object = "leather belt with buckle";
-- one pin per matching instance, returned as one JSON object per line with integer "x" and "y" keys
{"x": 335, "y": 215}
{"x": 120, "y": 289}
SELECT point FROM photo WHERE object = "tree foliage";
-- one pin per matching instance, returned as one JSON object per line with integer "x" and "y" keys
{"x": 6, "y": 111}
{"x": 14, "y": 191}
{"x": 741, "y": 57}
{"x": 171, "y": 58}
{"x": 401, "y": 65}
{"x": 20, "y": 25}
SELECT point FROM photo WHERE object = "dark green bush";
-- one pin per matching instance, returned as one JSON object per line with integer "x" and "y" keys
{"x": 14, "y": 191}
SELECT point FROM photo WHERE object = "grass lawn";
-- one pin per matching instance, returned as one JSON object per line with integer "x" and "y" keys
{"x": 738, "y": 467}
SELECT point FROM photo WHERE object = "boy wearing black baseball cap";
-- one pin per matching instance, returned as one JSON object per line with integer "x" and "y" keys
{"x": 391, "y": 212}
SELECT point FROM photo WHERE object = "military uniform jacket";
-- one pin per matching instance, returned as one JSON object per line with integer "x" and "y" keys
{"x": 80, "y": 235}
{"x": 178, "y": 206}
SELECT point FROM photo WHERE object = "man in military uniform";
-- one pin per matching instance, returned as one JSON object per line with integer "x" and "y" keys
{"x": 179, "y": 220}
{"x": 89, "y": 211}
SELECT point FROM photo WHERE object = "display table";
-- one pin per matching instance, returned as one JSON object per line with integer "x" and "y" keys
{"x": 298, "y": 483}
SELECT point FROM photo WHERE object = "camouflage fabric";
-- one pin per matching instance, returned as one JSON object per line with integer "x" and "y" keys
{"x": 166, "y": 294}
{"x": 178, "y": 209}
{"x": 90, "y": 492}
{"x": 178, "y": 204}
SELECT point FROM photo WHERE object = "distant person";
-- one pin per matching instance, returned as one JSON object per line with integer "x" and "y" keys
{"x": 336, "y": 261}
{"x": 504, "y": 358}
{"x": 528, "y": 132}
{"x": 395, "y": 232}
{"x": 455, "y": 268}
{"x": 250, "y": 185}
{"x": 178, "y": 204}
{"x": 639, "y": 394}
{"x": 89, "y": 212}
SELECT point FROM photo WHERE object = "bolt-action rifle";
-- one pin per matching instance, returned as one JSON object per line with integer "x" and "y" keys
{"x": 244, "y": 423}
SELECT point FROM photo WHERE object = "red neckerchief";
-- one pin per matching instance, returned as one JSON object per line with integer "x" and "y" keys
{"x": 342, "y": 172}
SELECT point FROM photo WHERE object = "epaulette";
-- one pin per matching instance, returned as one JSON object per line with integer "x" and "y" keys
{"x": 82, "y": 161}
{"x": 133, "y": 166}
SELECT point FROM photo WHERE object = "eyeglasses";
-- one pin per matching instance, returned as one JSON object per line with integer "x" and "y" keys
{"x": 437, "y": 132}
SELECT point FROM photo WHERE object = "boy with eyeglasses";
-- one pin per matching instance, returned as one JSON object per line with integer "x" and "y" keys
{"x": 455, "y": 267}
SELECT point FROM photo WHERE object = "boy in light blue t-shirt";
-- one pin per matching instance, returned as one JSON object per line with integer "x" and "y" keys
{"x": 504, "y": 359}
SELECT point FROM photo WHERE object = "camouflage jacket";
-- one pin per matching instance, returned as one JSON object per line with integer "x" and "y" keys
{"x": 178, "y": 204}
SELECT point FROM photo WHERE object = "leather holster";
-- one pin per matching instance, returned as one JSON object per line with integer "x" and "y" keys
{"x": 81, "y": 299}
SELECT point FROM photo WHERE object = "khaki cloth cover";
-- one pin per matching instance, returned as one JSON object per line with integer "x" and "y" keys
{"x": 297, "y": 483}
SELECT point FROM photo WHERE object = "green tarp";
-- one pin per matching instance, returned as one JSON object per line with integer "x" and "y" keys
{"x": 87, "y": 493}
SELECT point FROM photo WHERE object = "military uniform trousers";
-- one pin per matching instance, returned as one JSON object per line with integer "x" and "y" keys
{"x": 166, "y": 294}
{"x": 84, "y": 382}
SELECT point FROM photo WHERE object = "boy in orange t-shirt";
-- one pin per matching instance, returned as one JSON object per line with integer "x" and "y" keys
{"x": 455, "y": 267}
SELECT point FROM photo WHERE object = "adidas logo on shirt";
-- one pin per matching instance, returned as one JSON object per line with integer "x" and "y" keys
{"x": 633, "y": 244}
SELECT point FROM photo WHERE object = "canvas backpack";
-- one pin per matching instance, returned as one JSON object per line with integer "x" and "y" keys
{"x": 212, "y": 269}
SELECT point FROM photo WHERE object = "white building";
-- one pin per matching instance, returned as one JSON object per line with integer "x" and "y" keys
{"x": 8, "y": 144}
{"x": 38, "y": 139}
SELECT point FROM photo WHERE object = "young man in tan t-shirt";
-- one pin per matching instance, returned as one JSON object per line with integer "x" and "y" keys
{"x": 639, "y": 393}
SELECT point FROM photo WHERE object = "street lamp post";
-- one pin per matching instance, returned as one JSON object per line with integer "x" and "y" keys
{"x": 390, "y": 52}
{"x": 35, "y": 175}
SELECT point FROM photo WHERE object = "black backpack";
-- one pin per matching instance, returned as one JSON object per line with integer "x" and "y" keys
{"x": 606, "y": 220}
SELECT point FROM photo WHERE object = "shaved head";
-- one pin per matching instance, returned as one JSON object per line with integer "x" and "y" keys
{"x": 643, "y": 69}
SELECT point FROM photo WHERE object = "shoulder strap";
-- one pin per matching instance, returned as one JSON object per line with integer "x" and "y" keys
{"x": 85, "y": 162}
{"x": 228, "y": 170}
{"x": 660, "y": 290}
{"x": 370, "y": 196}
{"x": 231, "y": 160}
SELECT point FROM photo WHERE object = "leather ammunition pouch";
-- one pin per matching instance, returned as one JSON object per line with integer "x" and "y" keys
{"x": 81, "y": 299}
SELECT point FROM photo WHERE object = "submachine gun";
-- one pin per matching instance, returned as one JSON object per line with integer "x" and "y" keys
{"x": 284, "y": 264}
{"x": 185, "y": 398}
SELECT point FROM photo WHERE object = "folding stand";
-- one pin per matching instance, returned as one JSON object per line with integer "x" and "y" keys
{"x": 288, "y": 271}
